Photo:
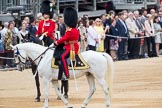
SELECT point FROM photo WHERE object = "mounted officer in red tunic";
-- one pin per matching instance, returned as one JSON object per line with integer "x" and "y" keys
{"x": 70, "y": 39}
{"x": 47, "y": 25}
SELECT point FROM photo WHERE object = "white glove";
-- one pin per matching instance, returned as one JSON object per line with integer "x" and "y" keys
{"x": 41, "y": 37}
{"x": 52, "y": 45}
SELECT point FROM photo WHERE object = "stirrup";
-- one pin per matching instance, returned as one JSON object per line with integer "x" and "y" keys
{"x": 65, "y": 96}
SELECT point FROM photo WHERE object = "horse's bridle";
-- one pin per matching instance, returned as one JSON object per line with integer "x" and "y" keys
{"x": 19, "y": 55}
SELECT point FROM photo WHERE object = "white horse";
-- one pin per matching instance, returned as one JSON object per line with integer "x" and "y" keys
{"x": 101, "y": 66}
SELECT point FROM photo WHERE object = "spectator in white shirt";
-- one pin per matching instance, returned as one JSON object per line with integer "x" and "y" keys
{"x": 92, "y": 36}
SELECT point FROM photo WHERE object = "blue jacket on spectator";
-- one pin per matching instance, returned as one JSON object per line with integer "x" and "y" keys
{"x": 121, "y": 29}
{"x": 160, "y": 23}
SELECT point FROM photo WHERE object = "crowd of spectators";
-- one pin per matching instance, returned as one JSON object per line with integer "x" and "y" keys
{"x": 124, "y": 35}
{"x": 12, "y": 34}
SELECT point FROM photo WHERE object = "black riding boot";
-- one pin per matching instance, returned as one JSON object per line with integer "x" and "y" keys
{"x": 65, "y": 88}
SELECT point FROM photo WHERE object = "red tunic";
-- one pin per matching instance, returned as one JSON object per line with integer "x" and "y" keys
{"x": 49, "y": 27}
{"x": 70, "y": 35}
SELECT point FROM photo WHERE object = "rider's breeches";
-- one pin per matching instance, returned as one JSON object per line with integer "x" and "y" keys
{"x": 64, "y": 62}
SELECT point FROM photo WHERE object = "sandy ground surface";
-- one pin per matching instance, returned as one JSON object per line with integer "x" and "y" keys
{"x": 137, "y": 84}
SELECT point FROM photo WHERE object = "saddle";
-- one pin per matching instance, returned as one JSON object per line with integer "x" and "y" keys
{"x": 79, "y": 63}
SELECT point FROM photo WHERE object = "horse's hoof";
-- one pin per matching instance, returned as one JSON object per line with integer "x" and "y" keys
{"x": 45, "y": 107}
{"x": 83, "y": 106}
{"x": 58, "y": 98}
{"x": 37, "y": 99}
{"x": 107, "y": 106}
{"x": 69, "y": 106}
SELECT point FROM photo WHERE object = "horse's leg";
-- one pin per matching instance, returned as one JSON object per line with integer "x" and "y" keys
{"x": 103, "y": 84}
{"x": 62, "y": 88}
{"x": 34, "y": 67}
{"x": 56, "y": 86}
{"x": 46, "y": 90}
{"x": 38, "y": 87}
{"x": 91, "y": 83}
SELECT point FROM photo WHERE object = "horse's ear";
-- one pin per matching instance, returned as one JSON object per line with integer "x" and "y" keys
{"x": 12, "y": 46}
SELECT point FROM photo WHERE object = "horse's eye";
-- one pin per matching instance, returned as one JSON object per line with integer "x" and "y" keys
{"x": 15, "y": 55}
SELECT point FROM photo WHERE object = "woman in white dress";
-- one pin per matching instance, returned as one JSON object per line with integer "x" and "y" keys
{"x": 158, "y": 30}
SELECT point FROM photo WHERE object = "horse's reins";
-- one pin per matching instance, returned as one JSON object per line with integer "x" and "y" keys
{"x": 40, "y": 59}
{"x": 41, "y": 55}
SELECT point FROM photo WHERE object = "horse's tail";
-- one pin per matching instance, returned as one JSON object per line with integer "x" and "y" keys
{"x": 109, "y": 73}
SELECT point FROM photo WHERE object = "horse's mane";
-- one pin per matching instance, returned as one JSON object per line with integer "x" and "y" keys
{"x": 31, "y": 46}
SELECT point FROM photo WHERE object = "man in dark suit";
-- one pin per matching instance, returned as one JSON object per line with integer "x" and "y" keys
{"x": 160, "y": 18}
{"x": 61, "y": 26}
{"x": 123, "y": 33}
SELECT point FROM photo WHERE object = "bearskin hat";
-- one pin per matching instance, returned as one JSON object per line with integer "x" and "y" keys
{"x": 70, "y": 17}
{"x": 47, "y": 8}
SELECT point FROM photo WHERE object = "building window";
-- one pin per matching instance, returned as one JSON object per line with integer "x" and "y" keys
{"x": 9, "y": 2}
{"x": 23, "y": 2}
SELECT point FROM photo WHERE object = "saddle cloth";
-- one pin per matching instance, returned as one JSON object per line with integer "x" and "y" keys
{"x": 79, "y": 64}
